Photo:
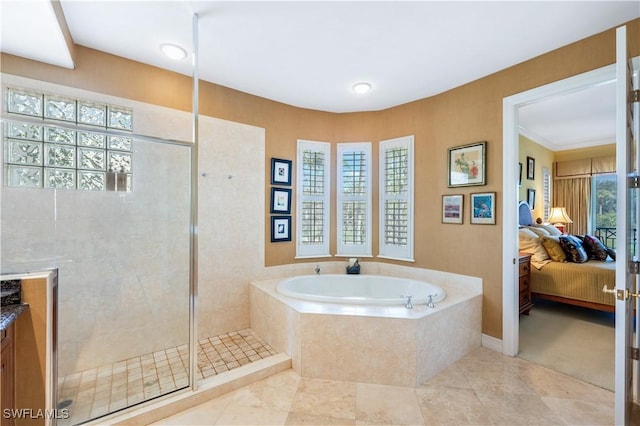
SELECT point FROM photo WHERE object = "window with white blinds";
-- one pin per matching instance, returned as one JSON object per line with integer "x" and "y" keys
{"x": 354, "y": 199}
{"x": 313, "y": 195}
{"x": 396, "y": 198}
{"x": 546, "y": 193}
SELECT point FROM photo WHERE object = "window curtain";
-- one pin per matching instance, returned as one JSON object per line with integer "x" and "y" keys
{"x": 575, "y": 195}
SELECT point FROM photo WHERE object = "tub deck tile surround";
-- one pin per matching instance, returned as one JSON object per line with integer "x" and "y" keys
{"x": 383, "y": 345}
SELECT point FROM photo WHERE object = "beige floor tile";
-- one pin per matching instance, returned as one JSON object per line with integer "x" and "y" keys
{"x": 241, "y": 415}
{"x": 518, "y": 409}
{"x": 581, "y": 412}
{"x": 295, "y": 419}
{"x": 442, "y": 405}
{"x": 329, "y": 398}
{"x": 387, "y": 405}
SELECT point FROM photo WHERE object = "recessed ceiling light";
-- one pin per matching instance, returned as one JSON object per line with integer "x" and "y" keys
{"x": 173, "y": 52}
{"x": 361, "y": 88}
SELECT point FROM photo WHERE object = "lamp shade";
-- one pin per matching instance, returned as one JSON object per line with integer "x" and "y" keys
{"x": 559, "y": 215}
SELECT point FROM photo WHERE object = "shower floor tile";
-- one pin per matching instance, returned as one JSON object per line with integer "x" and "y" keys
{"x": 93, "y": 393}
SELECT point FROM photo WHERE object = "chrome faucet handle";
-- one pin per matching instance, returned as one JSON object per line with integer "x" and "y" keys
{"x": 408, "y": 305}
{"x": 430, "y": 303}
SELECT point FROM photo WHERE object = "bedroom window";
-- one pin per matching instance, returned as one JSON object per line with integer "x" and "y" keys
{"x": 313, "y": 195}
{"x": 354, "y": 199}
{"x": 603, "y": 207}
{"x": 396, "y": 198}
{"x": 546, "y": 193}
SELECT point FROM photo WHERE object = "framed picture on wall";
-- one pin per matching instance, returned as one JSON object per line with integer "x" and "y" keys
{"x": 280, "y": 172}
{"x": 452, "y": 208}
{"x": 280, "y": 200}
{"x": 531, "y": 198}
{"x": 520, "y": 175}
{"x": 467, "y": 165}
{"x": 483, "y": 208}
{"x": 531, "y": 168}
{"x": 280, "y": 228}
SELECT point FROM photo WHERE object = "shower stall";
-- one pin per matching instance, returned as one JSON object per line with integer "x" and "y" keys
{"x": 105, "y": 195}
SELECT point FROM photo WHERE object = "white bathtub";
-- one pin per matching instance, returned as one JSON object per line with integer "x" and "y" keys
{"x": 360, "y": 289}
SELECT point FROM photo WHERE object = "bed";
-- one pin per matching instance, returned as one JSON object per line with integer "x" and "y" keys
{"x": 572, "y": 283}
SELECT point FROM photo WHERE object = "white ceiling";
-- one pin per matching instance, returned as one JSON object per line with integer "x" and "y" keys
{"x": 309, "y": 54}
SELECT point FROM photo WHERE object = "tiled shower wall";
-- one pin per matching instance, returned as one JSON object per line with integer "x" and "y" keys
{"x": 124, "y": 257}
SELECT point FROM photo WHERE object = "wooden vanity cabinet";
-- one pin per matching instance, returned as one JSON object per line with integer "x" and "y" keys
{"x": 7, "y": 379}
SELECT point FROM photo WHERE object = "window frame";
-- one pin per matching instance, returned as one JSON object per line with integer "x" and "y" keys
{"x": 321, "y": 249}
{"x": 343, "y": 248}
{"x": 388, "y": 251}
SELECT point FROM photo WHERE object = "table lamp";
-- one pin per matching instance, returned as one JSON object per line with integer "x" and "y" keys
{"x": 558, "y": 217}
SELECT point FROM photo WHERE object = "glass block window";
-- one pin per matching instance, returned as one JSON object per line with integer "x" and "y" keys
{"x": 396, "y": 198}
{"x": 354, "y": 199}
{"x": 75, "y": 154}
{"x": 313, "y": 195}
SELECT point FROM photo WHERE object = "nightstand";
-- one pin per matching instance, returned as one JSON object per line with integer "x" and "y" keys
{"x": 524, "y": 278}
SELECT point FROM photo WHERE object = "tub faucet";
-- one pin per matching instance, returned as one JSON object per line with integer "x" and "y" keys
{"x": 408, "y": 305}
{"x": 317, "y": 269}
{"x": 430, "y": 303}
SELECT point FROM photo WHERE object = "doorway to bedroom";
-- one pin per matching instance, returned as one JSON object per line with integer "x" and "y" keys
{"x": 556, "y": 334}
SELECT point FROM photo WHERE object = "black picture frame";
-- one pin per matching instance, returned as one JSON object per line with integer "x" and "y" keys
{"x": 531, "y": 198}
{"x": 280, "y": 200}
{"x": 531, "y": 168}
{"x": 467, "y": 165}
{"x": 520, "y": 175}
{"x": 280, "y": 228}
{"x": 281, "y": 172}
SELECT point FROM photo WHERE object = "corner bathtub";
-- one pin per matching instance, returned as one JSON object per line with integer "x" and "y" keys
{"x": 360, "y": 289}
{"x": 346, "y": 335}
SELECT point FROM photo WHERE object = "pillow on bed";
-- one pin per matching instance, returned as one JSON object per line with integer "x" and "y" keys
{"x": 552, "y": 230}
{"x": 539, "y": 231}
{"x": 612, "y": 253}
{"x": 573, "y": 248}
{"x": 594, "y": 247}
{"x": 531, "y": 243}
{"x": 554, "y": 249}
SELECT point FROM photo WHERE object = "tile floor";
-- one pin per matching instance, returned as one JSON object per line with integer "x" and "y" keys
{"x": 484, "y": 388}
{"x": 94, "y": 393}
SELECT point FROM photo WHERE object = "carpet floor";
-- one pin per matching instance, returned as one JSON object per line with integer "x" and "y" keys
{"x": 578, "y": 342}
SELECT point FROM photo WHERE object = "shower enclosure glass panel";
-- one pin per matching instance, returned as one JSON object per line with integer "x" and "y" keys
{"x": 123, "y": 262}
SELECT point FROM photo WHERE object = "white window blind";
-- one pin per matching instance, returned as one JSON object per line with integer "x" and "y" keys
{"x": 313, "y": 195}
{"x": 546, "y": 193}
{"x": 354, "y": 199}
{"x": 396, "y": 198}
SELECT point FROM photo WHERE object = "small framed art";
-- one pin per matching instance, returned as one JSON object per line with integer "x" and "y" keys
{"x": 531, "y": 168}
{"x": 483, "y": 208}
{"x": 280, "y": 228}
{"x": 467, "y": 165}
{"x": 280, "y": 200}
{"x": 531, "y": 198}
{"x": 280, "y": 172}
{"x": 452, "y": 208}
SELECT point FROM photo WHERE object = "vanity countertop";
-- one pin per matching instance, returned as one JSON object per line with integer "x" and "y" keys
{"x": 9, "y": 313}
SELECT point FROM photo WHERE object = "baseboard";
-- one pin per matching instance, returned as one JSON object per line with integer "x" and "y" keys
{"x": 492, "y": 343}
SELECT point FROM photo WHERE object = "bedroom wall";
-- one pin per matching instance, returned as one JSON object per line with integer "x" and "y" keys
{"x": 590, "y": 152}
{"x": 469, "y": 113}
{"x": 543, "y": 158}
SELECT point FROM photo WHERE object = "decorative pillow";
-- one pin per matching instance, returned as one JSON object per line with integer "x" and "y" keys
{"x": 573, "y": 248}
{"x": 554, "y": 249}
{"x": 539, "y": 231}
{"x": 526, "y": 233}
{"x": 594, "y": 247}
{"x": 552, "y": 230}
{"x": 612, "y": 253}
{"x": 530, "y": 243}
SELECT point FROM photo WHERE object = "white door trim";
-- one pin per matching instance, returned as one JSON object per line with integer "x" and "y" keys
{"x": 510, "y": 149}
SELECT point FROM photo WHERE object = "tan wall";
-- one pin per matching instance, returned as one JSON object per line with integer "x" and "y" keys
{"x": 466, "y": 114}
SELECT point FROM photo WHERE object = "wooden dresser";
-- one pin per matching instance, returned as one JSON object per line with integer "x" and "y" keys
{"x": 524, "y": 278}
